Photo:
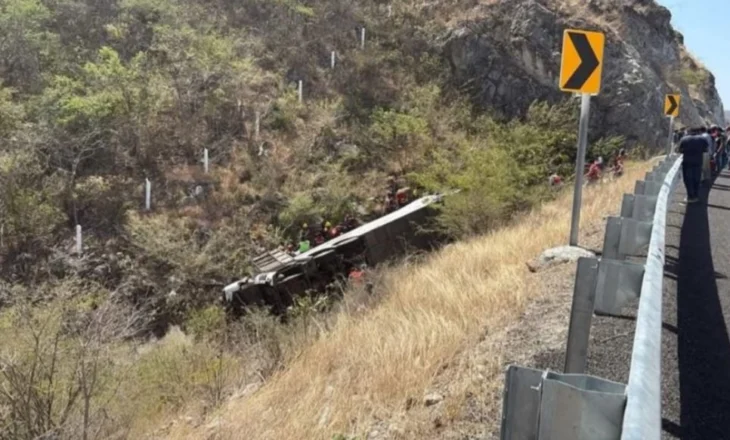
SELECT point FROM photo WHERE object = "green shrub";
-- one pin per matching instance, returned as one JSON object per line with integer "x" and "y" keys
{"x": 694, "y": 77}
{"x": 206, "y": 323}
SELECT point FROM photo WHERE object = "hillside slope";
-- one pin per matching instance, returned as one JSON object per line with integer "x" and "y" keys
{"x": 97, "y": 97}
{"x": 366, "y": 378}
{"x": 507, "y": 53}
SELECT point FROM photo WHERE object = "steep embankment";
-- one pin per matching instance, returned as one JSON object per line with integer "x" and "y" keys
{"x": 508, "y": 54}
{"x": 373, "y": 369}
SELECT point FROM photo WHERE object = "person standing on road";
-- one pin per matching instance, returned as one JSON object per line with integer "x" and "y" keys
{"x": 706, "y": 169}
{"x": 693, "y": 148}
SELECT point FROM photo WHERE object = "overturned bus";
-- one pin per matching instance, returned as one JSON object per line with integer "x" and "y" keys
{"x": 281, "y": 277}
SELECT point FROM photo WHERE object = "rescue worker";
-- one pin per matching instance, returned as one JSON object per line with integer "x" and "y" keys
{"x": 334, "y": 232}
{"x": 304, "y": 246}
{"x": 304, "y": 232}
{"x": 390, "y": 204}
{"x": 392, "y": 186}
{"x": 401, "y": 197}
{"x": 326, "y": 228}
{"x": 594, "y": 171}
{"x": 618, "y": 167}
{"x": 349, "y": 223}
{"x": 319, "y": 239}
{"x": 693, "y": 148}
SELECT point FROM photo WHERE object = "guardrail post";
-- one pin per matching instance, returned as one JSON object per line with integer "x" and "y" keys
{"x": 581, "y": 315}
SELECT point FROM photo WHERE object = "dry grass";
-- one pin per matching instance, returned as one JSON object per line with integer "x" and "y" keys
{"x": 370, "y": 365}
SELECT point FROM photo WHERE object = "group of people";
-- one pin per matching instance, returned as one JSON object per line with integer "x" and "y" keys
{"x": 395, "y": 196}
{"x": 596, "y": 169}
{"x": 705, "y": 154}
{"x": 309, "y": 236}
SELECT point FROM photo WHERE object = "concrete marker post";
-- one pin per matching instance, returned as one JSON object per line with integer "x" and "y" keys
{"x": 333, "y": 60}
{"x": 148, "y": 195}
{"x": 300, "y": 91}
{"x": 205, "y": 160}
{"x": 362, "y": 38}
{"x": 79, "y": 240}
{"x": 257, "y": 125}
{"x": 585, "y": 113}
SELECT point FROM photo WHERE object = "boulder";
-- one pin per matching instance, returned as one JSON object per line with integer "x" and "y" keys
{"x": 432, "y": 399}
{"x": 559, "y": 255}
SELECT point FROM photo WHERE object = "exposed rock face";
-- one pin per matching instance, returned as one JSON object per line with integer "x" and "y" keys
{"x": 510, "y": 56}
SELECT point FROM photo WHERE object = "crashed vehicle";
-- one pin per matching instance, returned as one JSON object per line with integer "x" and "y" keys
{"x": 281, "y": 277}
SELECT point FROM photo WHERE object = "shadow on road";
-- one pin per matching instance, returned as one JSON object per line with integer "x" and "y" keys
{"x": 703, "y": 344}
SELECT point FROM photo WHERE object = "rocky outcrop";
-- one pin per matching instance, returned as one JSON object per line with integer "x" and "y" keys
{"x": 510, "y": 56}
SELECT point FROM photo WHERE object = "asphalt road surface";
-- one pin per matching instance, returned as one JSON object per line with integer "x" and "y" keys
{"x": 695, "y": 342}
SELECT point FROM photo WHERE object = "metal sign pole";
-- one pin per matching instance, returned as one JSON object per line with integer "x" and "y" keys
{"x": 585, "y": 113}
{"x": 671, "y": 135}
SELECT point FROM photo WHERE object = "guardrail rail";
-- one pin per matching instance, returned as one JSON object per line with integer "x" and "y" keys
{"x": 548, "y": 405}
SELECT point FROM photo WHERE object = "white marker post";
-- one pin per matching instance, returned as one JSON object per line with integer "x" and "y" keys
{"x": 332, "y": 60}
{"x": 670, "y": 142}
{"x": 390, "y": 11}
{"x": 300, "y": 91}
{"x": 580, "y": 163}
{"x": 257, "y": 126}
{"x": 148, "y": 194}
{"x": 79, "y": 240}
{"x": 362, "y": 38}
{"x": 205, "y": 160}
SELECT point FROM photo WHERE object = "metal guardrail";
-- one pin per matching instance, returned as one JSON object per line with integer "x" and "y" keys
{"x": 545, "y": 405}
{"x": 643, "y": 414}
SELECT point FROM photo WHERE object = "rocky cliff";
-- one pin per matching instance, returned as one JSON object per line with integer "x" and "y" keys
{"x": 507, "y": 53}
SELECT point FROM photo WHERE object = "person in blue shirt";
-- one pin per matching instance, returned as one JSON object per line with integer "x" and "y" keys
{"x": 693, "y": 148}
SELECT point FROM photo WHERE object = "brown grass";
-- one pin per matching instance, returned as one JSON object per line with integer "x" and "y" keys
{"x": 368, "y": 366}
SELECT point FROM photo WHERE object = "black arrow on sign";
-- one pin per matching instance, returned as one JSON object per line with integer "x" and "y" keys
{"x": 589, "y": 61}
{"x": 673, "y": 103}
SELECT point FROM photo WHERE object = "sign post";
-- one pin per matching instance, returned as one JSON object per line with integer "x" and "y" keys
{"x": 580, "y": 72}
{"x": 671, "y": 109}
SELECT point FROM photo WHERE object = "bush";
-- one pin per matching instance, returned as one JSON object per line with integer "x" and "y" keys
{"x": 206, "y": 323}
{"x": 694, "y": 77}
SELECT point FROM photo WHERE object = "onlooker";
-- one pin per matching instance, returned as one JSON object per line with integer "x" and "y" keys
{"x": 710, "y": 150}
{"x": 693, "y": 149}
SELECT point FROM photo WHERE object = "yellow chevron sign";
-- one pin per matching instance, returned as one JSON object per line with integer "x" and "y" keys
{"x": 671, "y": 105}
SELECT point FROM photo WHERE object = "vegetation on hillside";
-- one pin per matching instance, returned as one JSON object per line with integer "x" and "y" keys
{"x": 97, "y": 96}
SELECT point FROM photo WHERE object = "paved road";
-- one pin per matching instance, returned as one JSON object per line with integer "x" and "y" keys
{"x": 697, "y": 371}
{"x": 696, "y": 346}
